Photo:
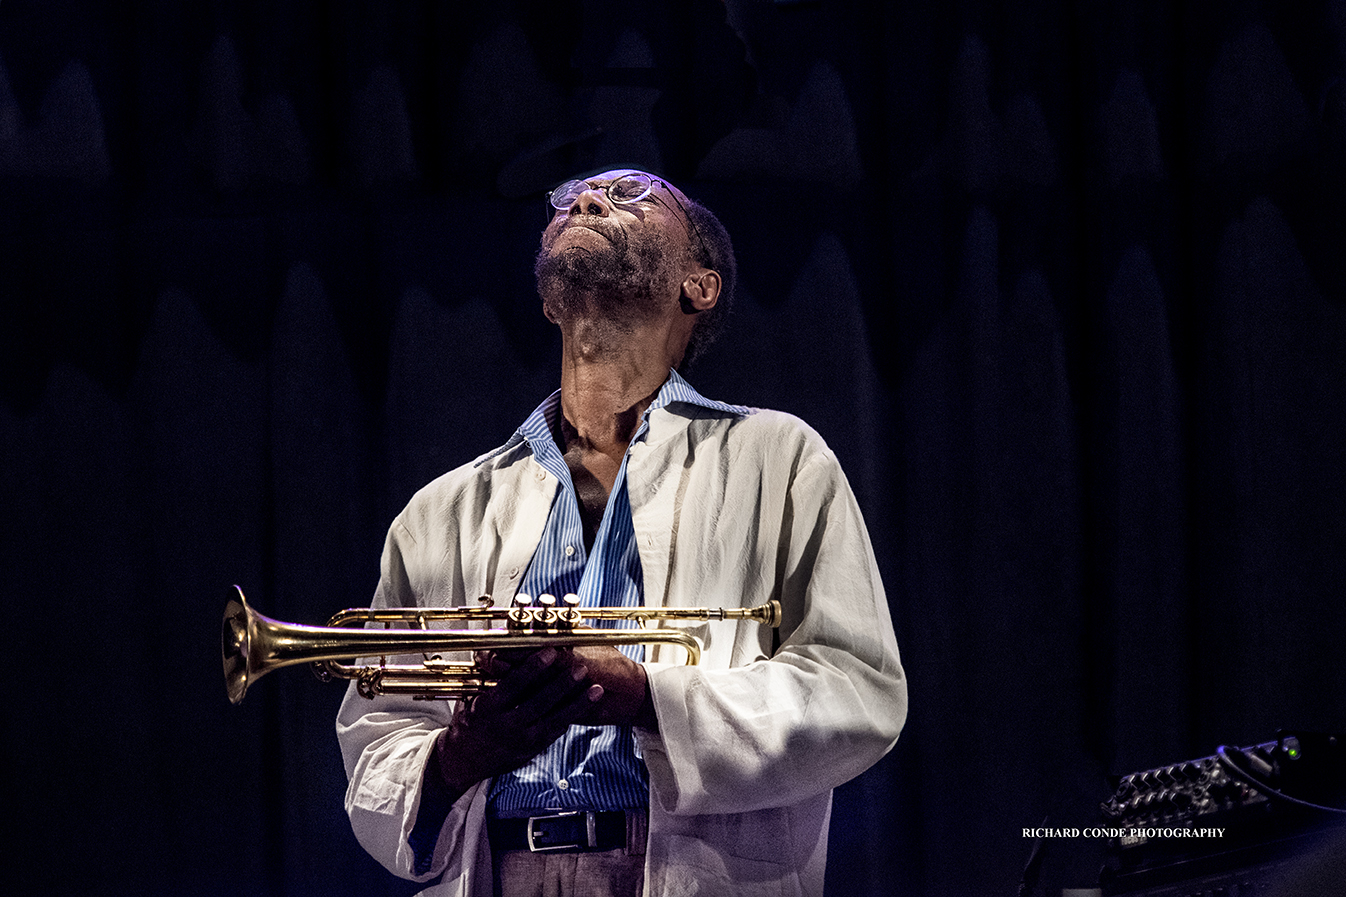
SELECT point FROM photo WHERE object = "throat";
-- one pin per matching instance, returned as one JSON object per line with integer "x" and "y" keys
{"x": 593, "y": 474}
{"x": 594, "y": 457}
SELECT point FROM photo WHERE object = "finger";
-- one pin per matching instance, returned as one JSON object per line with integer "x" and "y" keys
{"x": 494, "y": 664}
{"x": 503, "y": 659}
{"x": 521, "y": 732}
{"x": 562, "y": 682}
{"x": 560, "y": 716}
{"x": 516, "y": 684}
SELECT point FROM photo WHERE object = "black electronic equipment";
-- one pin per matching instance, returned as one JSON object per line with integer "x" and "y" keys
{"x": 1241, "y": 822}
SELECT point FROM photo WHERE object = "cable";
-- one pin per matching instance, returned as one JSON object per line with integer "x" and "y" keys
{"x": 1247, "y": 778}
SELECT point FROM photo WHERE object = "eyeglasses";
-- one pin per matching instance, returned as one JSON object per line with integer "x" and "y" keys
{"x": 627, "y": 189}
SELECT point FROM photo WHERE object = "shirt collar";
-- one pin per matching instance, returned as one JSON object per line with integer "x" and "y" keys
{"x": 538, "y": 427}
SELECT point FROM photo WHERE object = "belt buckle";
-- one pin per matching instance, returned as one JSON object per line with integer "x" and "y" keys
{"x": 536, "y": 842}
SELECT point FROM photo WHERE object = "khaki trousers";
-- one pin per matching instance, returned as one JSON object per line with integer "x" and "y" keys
{"x": 605, "y": 873}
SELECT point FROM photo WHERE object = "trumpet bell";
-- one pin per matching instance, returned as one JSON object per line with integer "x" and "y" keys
{"x": 235, "y": 644}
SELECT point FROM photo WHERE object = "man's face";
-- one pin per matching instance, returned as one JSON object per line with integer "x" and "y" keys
{"x": 620, "y": 260}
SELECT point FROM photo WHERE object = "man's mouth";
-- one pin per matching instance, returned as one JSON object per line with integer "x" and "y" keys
{"x": 597, "y": 225}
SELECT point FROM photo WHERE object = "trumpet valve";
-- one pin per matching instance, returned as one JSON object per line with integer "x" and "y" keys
{"x": 520, "y": 615}
{"x": 568, "y": 617}
{"x": 544, "y": 616}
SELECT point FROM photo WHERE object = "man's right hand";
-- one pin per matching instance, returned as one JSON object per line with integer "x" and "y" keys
{"x": 535, "y": 699}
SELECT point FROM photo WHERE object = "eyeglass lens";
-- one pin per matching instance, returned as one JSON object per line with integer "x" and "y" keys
{"x": 630, "y": 188}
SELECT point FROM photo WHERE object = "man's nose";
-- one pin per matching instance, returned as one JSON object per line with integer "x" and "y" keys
{"x": 591, "y": 202}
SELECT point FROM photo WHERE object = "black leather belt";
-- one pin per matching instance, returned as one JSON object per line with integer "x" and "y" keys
{"x": 574, "y": 830}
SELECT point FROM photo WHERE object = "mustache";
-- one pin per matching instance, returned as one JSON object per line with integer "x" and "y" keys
{"x": 614, "y": 234}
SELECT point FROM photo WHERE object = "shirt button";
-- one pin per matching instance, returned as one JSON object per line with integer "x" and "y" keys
{"x": 514, "y": 573}
{"x": 563, "y": 784}
{"x": 570, "y": 551}
{"x": 541, "y": 475}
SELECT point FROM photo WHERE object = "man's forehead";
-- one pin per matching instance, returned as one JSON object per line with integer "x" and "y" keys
{"x": 608, "y": 177}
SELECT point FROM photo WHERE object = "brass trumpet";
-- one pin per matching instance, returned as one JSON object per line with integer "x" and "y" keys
{"x": 254, "y": 645}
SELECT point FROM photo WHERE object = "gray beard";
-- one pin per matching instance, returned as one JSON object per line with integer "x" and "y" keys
{"x": 616, "y": 285}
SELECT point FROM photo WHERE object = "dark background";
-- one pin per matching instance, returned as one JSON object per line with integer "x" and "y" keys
{"x": 1061, "y": 283}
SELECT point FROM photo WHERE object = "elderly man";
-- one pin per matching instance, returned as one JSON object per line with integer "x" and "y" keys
{"x": 596, "y": 771}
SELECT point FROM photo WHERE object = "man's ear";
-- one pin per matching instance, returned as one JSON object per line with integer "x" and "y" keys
{"x": 700, "y": 291}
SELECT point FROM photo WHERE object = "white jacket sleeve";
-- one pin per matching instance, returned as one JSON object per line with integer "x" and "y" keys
{"x": 469, "y": 533}
{"x": 386, "y": 744}
{"x": 828, "y": 703}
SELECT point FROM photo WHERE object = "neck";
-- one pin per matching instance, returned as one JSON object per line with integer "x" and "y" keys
{"x": 607, "y": 382}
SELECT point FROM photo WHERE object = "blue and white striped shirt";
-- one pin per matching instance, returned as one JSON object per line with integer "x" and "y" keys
{"x": 590, "y": 767}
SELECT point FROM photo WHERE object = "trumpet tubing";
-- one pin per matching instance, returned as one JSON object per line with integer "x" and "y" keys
{"x": 254, "y": 645}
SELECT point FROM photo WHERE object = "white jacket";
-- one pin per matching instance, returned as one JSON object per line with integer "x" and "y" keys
{"x": 729, "y": 511}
